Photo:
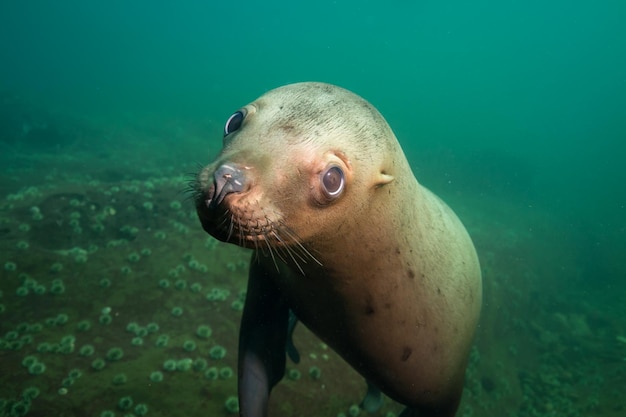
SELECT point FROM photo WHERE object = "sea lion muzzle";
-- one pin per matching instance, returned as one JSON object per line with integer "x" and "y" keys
{"x": 227, "y": 179}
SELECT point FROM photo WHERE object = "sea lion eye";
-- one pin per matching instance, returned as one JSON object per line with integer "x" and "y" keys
{"x": 234, "y": 122}
{"x": 333, "y": 182}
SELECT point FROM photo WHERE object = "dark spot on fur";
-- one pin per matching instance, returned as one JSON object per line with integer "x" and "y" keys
{"x": 438, "y": 290}
{"x": 398, "y": 251}
{"x": 410, "y": 274}
{"x": 406, "y": 352}
{"x": 387, "y": 306}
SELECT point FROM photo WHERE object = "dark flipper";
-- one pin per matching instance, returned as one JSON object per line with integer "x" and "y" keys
{"x": 262, "y": 341}
{"x": 291, "y": 349}
{"x": 373, "y": 399}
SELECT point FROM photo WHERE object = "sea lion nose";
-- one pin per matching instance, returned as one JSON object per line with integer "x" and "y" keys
{"x": 226, "y": 179}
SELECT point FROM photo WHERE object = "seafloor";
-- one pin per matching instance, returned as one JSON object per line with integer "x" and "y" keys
{"x": 114, "y": 299}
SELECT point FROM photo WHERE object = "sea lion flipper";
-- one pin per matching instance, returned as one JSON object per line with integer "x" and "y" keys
{"x": 290, "y": 347}
{"x": 262, "y": 339}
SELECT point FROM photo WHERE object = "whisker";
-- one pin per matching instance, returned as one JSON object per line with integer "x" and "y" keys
{"x": 191, "y": 189}
{"x": 279, "y": 249}
{"x": 230, "y": 227}
{"x": 223, "y": 219}
{"x": 269, "y": 247}
{"x": 294, "y": 238}
{"x": 290, "y": 252}
{"x": 241, "y": 238}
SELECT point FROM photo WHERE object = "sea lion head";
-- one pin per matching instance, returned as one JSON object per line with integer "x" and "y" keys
{"x": 295, "y": 165}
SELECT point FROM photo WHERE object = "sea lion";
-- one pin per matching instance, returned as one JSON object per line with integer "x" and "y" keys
{"x": 313, "y": 179}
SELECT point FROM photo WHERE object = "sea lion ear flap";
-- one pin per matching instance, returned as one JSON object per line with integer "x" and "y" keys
{"x": 382, "y": 179}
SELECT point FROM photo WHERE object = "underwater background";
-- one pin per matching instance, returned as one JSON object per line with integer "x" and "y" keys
{"x": 113, "y": 301}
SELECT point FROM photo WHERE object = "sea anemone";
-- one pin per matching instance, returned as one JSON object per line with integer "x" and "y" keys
{"x": 183, "y": 364}
{"x": 119, "y": 379}
{"x": 28, "y": 361}
{"x": 354, "y": 411}
{"x": 204, "y": 331}
{"x": 199, "y": 364}
{"x": 75, "y": 373}
{"x": 162, "y": 340}
{"x": 37, "y": 368}
{"x": 30, "y": 393}
{"x": 169, "y": 365}
{"x": 21, "y": 291}
{"x": 115, "y": 354}
{"x": 152, "y": 327}
{"x": 11, "y": 335}
{"x": 98, "y": 364}
{"x": 226, "y": 372}
{"x": 232, "y": 404}
{"x": 315, "y": 372}
{"x": 141, "y": 409}
{"x": 10, "y": 266}
{"x": 19, "y": 408}
{"x": 56, "y": 267}
{"x": 86, "y": 350}
{"x": 44, "y": 347}
{"x": 294, "y": 374}
{"x": 189, "y": 345}
{"x": 83, "y": 325}
{"x": 35, "y": 327}
{"x": 61, "y": 319}
{"x": 134, "y": 257}
{"x": 125, "y": 403}
{"x": 57, "y": 288}
{"x": 217, "y": 352}
{"x": 212, "y": 373}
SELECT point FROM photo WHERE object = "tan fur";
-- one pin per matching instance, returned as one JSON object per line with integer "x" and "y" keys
{"x": 398, "y": 291}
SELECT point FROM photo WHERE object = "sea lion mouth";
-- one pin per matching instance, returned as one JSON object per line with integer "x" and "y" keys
{"x": 248, "y": 226}
{"x": 230, "y": 211}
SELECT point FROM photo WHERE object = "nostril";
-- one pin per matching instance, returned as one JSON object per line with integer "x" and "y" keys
{"x": 226, "y": 179}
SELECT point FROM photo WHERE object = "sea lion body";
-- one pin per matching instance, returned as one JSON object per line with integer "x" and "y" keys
{"x": 312, "y": 178}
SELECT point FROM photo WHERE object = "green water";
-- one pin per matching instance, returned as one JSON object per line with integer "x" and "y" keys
{"x": 513, "y": 112}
